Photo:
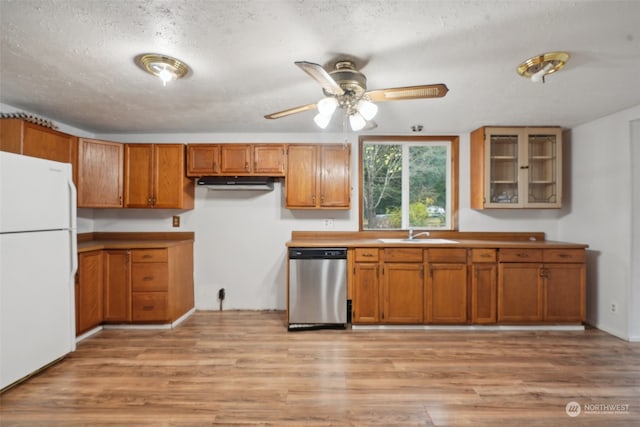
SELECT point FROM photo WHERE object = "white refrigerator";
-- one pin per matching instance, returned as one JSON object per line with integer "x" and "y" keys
{"x": 38, "y": 262}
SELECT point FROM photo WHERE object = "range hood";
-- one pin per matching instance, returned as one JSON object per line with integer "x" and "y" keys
{"x": 259, "y": 183}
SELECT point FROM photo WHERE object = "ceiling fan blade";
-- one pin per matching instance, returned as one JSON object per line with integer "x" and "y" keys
{"x": 320, "y": 75}
{"x": 290, "y": 111}
{"x": 409, "y": 92}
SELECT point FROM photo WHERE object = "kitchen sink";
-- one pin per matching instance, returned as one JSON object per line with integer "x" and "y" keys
{"x": 418, "y": 241}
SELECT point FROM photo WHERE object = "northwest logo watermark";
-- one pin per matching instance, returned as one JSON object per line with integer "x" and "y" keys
{"x": 573, "y": 409}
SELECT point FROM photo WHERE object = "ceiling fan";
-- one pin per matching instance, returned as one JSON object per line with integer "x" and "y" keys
{"x": 346, "y": 87}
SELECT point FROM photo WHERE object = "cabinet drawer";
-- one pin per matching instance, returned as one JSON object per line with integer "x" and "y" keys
{"x": 149, "y": 277}
{"x": 447, "y": 255}
{"x": 483, "y": 255}
{"x": 402, "y": 254}
{"x": 149, "y": 306}
{"x": 366, "y": 254}
{"x": 563, "y": 255}
{"x": 520, "y": 255}
{"x": 149, "y": 255}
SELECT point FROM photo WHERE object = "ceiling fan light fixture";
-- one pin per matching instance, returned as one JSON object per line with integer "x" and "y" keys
{"x": 357, "y": 122}
{"x": 367, "y": 109}
{"x": 537, "y": 67}
{"x": 322, "y": 120}
{"x": 326, "y": 106}
{"x": 164, "y": 67}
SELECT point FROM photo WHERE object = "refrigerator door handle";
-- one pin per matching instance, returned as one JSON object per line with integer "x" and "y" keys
{"x": 72, "y": 224}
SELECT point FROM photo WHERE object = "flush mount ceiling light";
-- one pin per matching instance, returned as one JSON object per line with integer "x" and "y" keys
{"x": 539, "y": 66}
{"x": 165, "y": 67}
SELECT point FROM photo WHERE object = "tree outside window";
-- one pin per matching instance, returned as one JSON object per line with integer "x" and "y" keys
{"x": 408, "y": 182}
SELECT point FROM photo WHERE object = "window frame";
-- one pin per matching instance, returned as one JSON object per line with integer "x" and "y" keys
{"x": 453, "y": 140}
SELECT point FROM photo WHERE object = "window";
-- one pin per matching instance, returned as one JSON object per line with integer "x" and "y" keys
{"x": 408, "y": 182}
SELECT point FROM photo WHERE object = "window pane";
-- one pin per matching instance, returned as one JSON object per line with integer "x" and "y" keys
{"x": 382, "y": 185}
{"x": 427, "y": 186}
{"x": 406, "y": 184}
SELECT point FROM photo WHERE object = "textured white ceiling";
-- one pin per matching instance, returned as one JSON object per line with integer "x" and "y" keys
{"x": 72, "y": 61}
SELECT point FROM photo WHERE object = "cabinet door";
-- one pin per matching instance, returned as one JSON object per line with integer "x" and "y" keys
{"x": 503, "y": 158}
{"x": 172, "y": 190}
{"x": 49, "y": 144}
{"x": 100, "y": 174}
{"x": 365, "y": 293}
{"x": 138, "y": 175}
{"x": 117, "y": 286}
{"x": 402, "y": 293}
{"x": 203, "y": 160}
{"x": 519, "y": 292}
{"x": 268, "y": 159}
{"x": 446, "y": 299}
{"x": 235, "y": 159}
{"x": 564, "y": 292}
{"x": 543, "y": 169}
{"x": 300, "y": 182}
{"x": 484, "y": 280}
{"x": 335, "y": 176}
{"x": 90, "y": 289}
{"x": 11, "y": 135}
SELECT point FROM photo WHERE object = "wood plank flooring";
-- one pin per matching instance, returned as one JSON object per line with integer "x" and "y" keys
{"x": 243, "y": 368}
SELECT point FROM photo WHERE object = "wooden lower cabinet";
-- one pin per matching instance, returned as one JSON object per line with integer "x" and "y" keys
{"x": 117, "y": 286}
{"x": 467, "y": 286}
{"x": 89, "y": 291}
{"x": 548, "y": 288}
{"x": 519, "y": 293}
{"x": 402, "y": 286}
{"x": 484, "y": 288}
{"x": 564, "y": 292}
{"x": 148, "y": 285}
{"x": 446, "y": 286}
{"x": 366, "y": 293}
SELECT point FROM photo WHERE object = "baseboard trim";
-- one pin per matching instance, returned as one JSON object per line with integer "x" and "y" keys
{"x": 567, "y": 328}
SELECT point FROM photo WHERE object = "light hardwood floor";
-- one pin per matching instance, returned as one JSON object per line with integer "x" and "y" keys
{"x": 244, "y": 368}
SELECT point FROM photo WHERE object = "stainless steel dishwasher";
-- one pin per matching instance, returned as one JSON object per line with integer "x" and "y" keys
{"x": 317, "y": 288}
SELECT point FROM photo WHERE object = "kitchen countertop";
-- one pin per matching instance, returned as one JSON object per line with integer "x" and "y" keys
{"x": 484, "y": 240}
{"x": 99, "y": 241}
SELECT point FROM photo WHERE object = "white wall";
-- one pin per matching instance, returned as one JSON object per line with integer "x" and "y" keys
{"x": 634, "y": 309}
{"x": 599, "y": 212}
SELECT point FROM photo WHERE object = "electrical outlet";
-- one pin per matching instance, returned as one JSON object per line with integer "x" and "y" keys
{"x": 613, "y": 307}
{"x": 328, "y": 223}
{"x": 176, "y": 221}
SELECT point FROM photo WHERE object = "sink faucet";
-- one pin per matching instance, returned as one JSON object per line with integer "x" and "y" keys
{"x": 413, "y": 236}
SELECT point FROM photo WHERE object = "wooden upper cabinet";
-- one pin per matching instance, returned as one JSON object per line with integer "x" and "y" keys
{"x": 235, "y": 160}
{"x": 318, "y": 176}
{"x": 155, "y": 177}
{"x": 301, "y": 176}
{"x": 335, "y": 176}
{"x": 268, "y": 159}
{"x": 203, "y": 159}
{"x": 100, "y": 174}
{"x": 18, "y": 136}
{"x": 519, "y": 167}
{"x": 138, "y": 168}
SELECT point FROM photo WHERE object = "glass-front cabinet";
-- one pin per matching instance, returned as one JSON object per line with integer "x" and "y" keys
{"x": 519, "y": 167}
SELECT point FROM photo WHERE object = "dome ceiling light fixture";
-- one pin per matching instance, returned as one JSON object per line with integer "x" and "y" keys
{"x": 537, "y": 67}
{"x": 164, "y": 67}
